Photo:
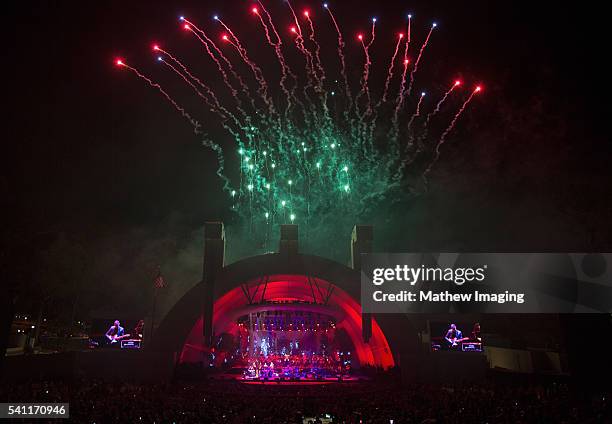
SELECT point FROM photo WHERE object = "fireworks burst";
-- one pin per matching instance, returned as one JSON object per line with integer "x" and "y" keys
{"x": 325, "y": 154}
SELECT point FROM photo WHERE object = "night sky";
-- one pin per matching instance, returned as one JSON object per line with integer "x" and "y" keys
{"x": 95, "y": 157}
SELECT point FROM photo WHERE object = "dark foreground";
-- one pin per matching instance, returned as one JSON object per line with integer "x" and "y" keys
{"x": 370, "y": 402}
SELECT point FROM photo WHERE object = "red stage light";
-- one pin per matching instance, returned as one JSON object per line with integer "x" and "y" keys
{"x": 254, "y": 10}
{"x": 360, "y": 37}
{"x": 478, "y": 88}
{"x": 186, "y": 26}
{"x": 457, "y": 82}
{"x": 155, "y": 47}
{"x": 306, "y": 13}
{"x": 400, "y": 35}
{"x": 119, "y": 62}
{"x": 293, "y": 29}
{"x": 224, "y": 37}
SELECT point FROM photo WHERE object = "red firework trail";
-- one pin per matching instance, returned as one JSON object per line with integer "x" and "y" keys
{"x": 263, "y": 85}
{"x": 373, "y": 34}
{"x": 417, "y": 112}
{"x": 229, "y": 85}
{"x": 278, "y": 39}
{"x": 399, "y": 101}
{"x": 301, "y": 46}
{"x": 159, "y": 88}
{"x": 297, "y": 23}
{"x": 234, "y": 41}
{"x": 299, "y": 42}
{"x": 317, "y": 51}
{"x": 409, "y": 28}
{"x": 341, "y": 46}
{"x": 285, "y": 70}
{"x": 206, "y": 88}
{"x": 450, "y": 128}
{"x": 372, "y": 38}
{"x": 263, "y": 23}
{"x": 208, "y": 42}
{"x": 192, "y": 85}
{"x": 430, "y": 115}
{"x": 212, "y": 101}
{"x": 310, "y": 74}
{"x": 231, "y": 33}
{"x": 383, "y": 99}
{"x": 365, "y": 89}
{"x": 416, "y": 63}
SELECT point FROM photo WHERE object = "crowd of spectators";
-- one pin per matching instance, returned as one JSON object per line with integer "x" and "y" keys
{"x": 212, "y": 401}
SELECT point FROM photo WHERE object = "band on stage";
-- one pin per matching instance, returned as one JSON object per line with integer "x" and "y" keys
{"x": 116, "y": 333}
{"x": 302, "y": 365}
{"x": 454, "y": 339}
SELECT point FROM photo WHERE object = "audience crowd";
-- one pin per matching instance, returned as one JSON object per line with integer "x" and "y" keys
{"x": 213, "y": 401}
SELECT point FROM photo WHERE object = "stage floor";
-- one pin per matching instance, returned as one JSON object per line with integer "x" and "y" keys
{"x": 286, "y": 381}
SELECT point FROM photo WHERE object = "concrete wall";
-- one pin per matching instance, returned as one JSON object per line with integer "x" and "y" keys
{"x": 524, "y": 361}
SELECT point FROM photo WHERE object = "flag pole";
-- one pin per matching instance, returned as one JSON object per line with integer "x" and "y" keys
{"x": 158, "y": 283}
{"x": 153, "y": 311}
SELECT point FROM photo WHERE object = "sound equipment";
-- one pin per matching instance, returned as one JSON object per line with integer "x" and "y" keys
{"x": 471, "y": 347}
{"x": 130, "y": 344}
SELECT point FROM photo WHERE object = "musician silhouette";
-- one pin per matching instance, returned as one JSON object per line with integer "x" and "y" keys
{"x": 453, "y": 336}
{"x": 115, "y": 331}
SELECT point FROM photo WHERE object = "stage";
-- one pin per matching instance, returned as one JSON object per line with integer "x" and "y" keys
{"x": 240, "y": 377}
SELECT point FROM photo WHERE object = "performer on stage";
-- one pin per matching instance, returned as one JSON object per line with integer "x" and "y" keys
{"x": 453, "y": 336}
{"x": 115, "y": 331}
{"x": 139, "y": 329}
{"x": 476, "y": 333}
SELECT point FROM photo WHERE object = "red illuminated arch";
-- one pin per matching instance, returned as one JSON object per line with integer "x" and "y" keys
{"x": 375, "y": 352}
{"x": 180, "y": 332}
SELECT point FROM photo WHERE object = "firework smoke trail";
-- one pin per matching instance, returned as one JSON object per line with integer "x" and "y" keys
{"x": 263, "y": 85}
{"x": 365, "y": 89}
{"x": 313, "y": 79}
{"x": 220, "y": 160}
{"x": 285, "y": 69}
{"x": 317, "y": 55}
{"x": 311, "y": 76}
{"x": 441, "y": 102}
{"x": 418, "y": 59}
{"x": 319, "y": 66}
{"x": 298, "y": 28}
{"x": 208, "y": 42}
{"x": 220, "y": 109}
{"x": 406, "y": 158}
{"x": 416, "y": 113}
{"x": 373, "y": 33}
{"x": 299, "y": 42}
{"x": 372, "y": 38}
{"x": 450, "y": 128}
{"x": 159, "y": 88}
{"x": 383, "y": 98}
{"x": 220, "y": 68}
{"x": 213, "y": 108}
{"x": 342, "y": 58}
{"x": 265, "y": 26}
{"x": 192, "y": 85}
{"x": 399, "y": 101}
